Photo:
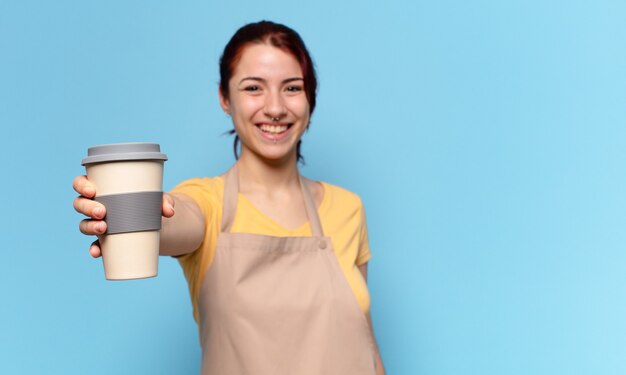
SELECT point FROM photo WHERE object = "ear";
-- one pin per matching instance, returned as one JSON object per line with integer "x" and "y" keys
{"x": 224, "y": 102}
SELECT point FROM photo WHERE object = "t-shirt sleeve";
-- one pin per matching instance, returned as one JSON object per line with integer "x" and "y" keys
{"x": 364, "y": 254}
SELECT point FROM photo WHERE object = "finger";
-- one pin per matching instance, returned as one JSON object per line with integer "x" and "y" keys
{"x": 89, "y": 208}
{"x": 94, "y": 249}
{"x": 168, "y": 205}
{"x": 92, "y": 227}
{"x": 84, "y": 187}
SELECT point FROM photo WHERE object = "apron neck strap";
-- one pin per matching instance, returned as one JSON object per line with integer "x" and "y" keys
{"x": 311, "y": 209}
{"x": 231, "y": 195}
{"x": 231, "y": 192}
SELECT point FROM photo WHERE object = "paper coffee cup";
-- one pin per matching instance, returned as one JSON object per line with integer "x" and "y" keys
{"x": 129, "y": 182}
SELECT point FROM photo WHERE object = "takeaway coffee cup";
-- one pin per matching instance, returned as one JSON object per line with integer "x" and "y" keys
{"x": 129, "y": 182}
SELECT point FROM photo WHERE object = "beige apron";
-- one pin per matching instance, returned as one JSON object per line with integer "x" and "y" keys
{"x": 279, "y": 305}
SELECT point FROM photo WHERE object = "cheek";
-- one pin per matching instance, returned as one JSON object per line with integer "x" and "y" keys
{"x": 300, "y": 107}
{"x": 245, "y": 107}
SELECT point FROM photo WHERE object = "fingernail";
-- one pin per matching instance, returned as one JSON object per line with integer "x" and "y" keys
{"x": 100, "y": 227}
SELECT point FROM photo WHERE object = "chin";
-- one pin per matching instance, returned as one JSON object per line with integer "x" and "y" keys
{"x": 275, "y": 158}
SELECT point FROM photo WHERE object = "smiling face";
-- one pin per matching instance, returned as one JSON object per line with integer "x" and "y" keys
{"x": 267, "y": 103}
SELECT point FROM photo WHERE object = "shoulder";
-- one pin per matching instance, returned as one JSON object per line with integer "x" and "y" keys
{"x": 340, "y": 201}
{"x": 202, "y": 189}
{"x": 343, "y": 194}
{"x": 200, "y": 183}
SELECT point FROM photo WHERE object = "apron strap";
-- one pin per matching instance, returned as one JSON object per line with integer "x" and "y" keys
{"x": 231, "y": 195}
{"x": 311, "y": 209}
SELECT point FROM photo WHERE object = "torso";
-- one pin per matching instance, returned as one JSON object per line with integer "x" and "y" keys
{"x": 340, "y": 210}
{"x": 279, "y": 305}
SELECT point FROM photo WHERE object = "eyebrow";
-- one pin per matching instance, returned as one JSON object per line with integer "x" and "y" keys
{"x": 259, "y": 79}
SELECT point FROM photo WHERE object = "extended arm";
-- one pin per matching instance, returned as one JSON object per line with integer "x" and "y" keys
{"x": 182, "y": 229}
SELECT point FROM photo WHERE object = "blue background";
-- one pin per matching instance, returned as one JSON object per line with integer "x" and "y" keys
{"x": 487, "y": 140}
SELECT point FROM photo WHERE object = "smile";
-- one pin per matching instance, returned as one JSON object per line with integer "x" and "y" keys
{"x": 274, "y": 132}
{"x": 274, "y": 129}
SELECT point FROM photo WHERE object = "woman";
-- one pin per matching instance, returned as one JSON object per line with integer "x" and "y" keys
{"x": 274, "y": 261}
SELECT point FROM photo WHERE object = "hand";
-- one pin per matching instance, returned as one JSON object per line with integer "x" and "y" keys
{"x": 94, "y": 225}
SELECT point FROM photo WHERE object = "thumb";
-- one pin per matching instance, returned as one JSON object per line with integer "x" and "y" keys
{"x": 168, "y": 205}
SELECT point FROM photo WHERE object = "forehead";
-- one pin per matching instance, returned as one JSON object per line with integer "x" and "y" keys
{"x": 266, "y": 61}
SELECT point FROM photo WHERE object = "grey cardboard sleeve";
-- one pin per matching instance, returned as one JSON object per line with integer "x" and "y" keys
{"x": 132, "y": 212}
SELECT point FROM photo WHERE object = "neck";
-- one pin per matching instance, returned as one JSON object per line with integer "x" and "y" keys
{"x": 256, "y": 174}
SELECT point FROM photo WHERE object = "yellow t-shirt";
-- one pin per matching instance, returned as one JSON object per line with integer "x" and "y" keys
{"x": 341, "y": 213}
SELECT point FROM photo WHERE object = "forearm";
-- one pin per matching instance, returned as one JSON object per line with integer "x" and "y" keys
{"x": 183, "y": 232}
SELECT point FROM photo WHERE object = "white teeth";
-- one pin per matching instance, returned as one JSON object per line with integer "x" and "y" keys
{"x": 273, "y": 129}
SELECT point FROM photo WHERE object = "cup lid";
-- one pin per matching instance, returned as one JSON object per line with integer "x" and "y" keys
{"x": 124, "y": 151}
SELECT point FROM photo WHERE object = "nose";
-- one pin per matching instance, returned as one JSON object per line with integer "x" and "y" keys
{"x": 275, "y": 105}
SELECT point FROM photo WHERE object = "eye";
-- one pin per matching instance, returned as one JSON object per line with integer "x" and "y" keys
{"x": 252, "y": 88}
{"x": 294, "y": 88}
